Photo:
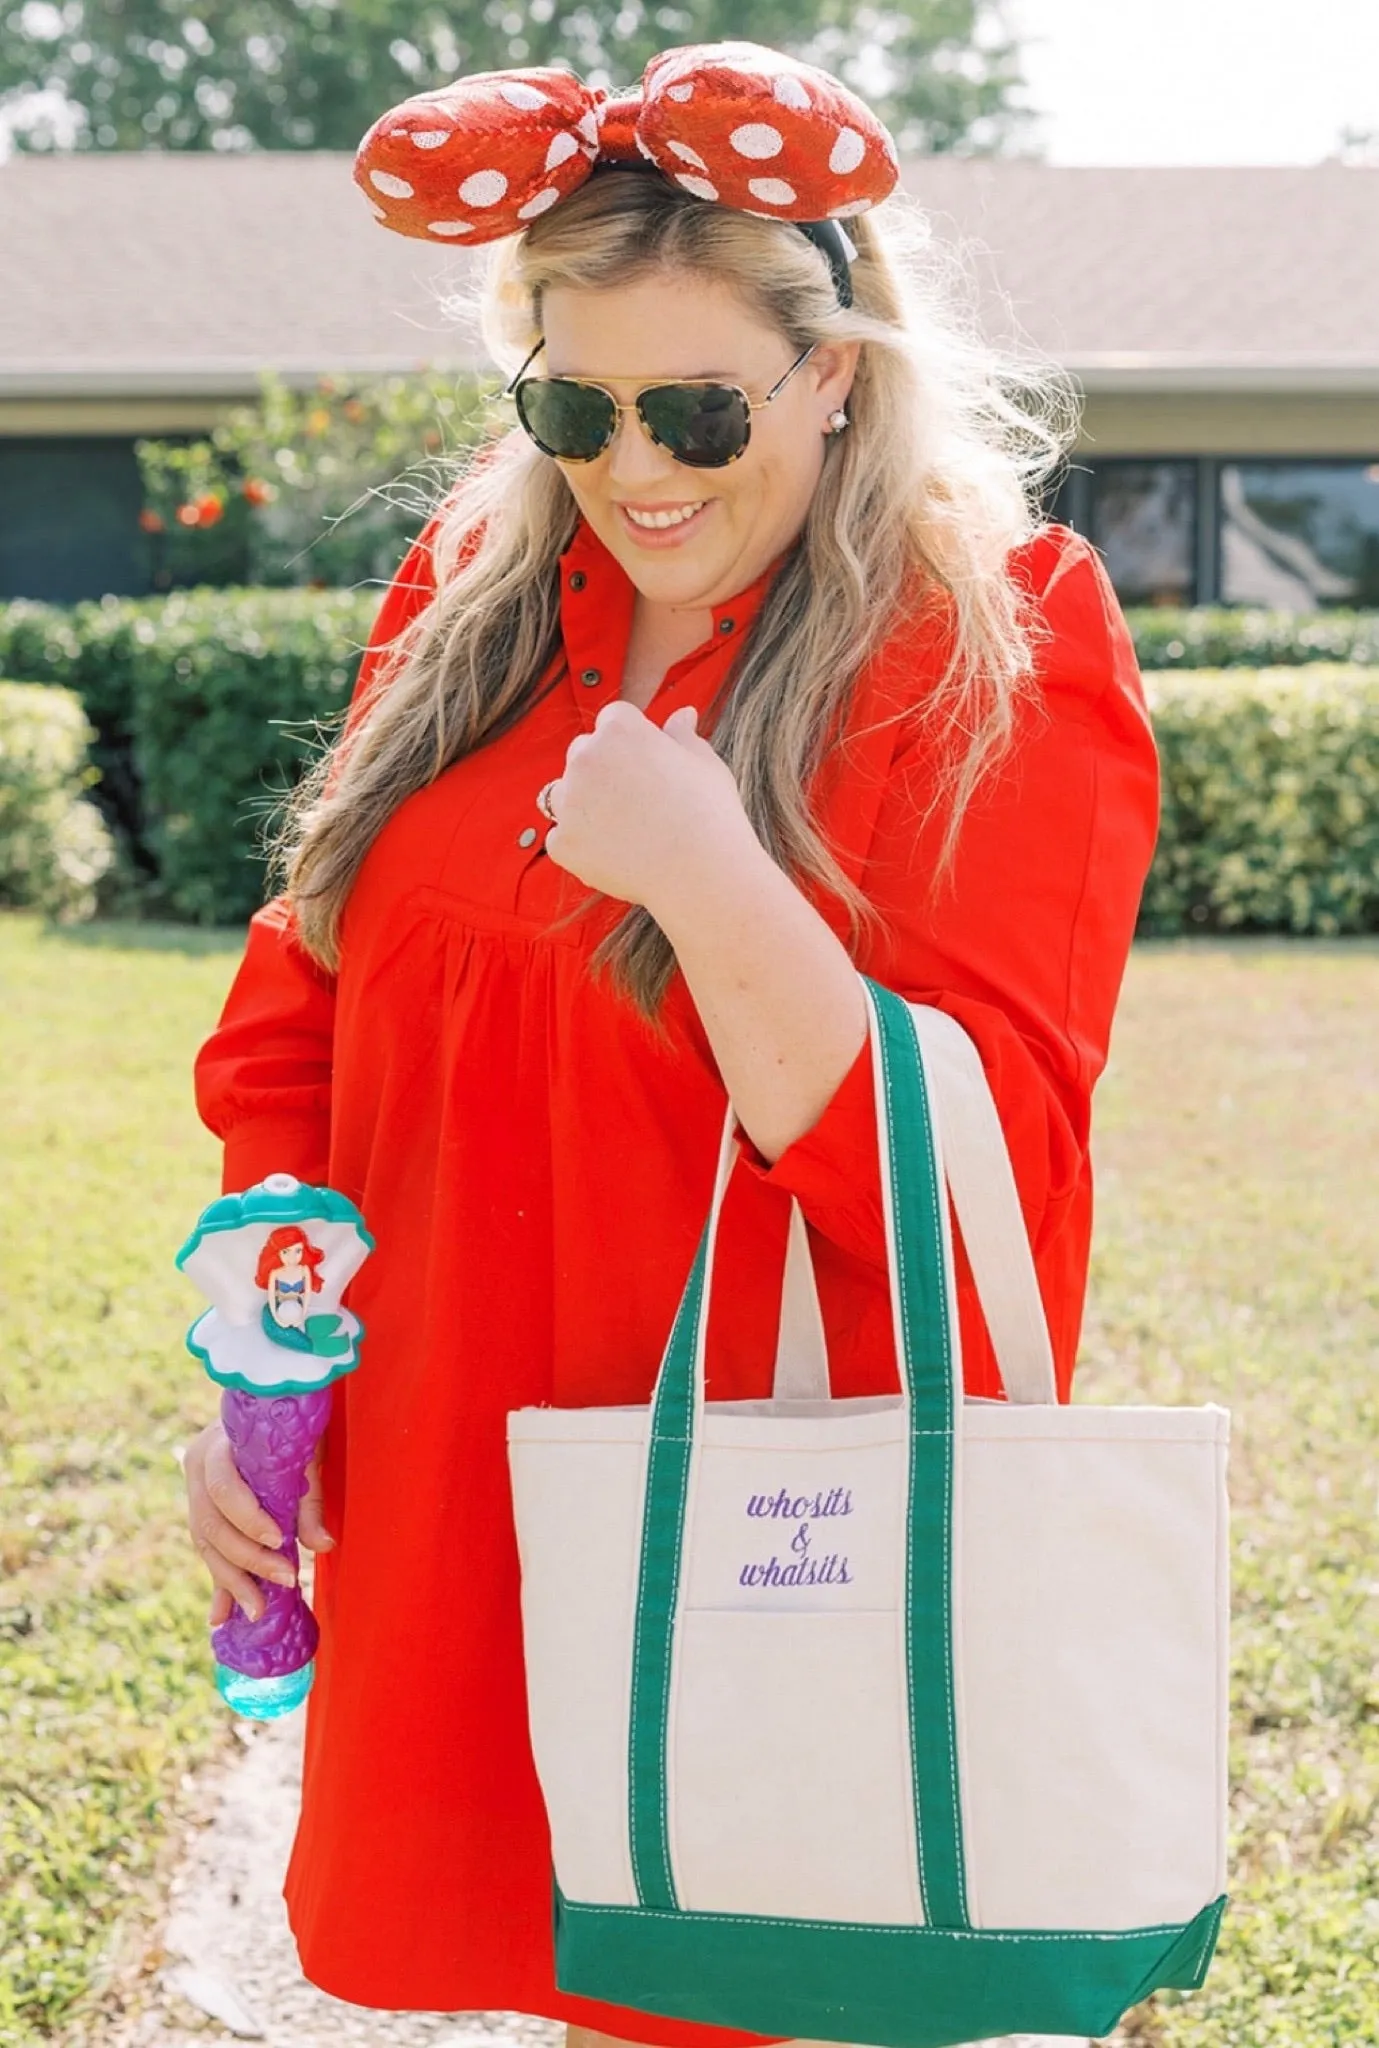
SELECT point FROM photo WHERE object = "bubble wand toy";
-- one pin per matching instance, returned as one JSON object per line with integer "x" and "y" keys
{"x": 274, "y": 1262}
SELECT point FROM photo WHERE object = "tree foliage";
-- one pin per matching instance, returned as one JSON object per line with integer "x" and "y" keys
{"x": 313, "y": 74}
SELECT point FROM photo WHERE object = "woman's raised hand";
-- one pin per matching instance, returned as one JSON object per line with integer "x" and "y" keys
{"x": 235, "y": 1538}
{"x": 642, "y": 810}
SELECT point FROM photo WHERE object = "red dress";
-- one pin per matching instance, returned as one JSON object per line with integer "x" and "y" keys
{"x": 536, "y": 1166}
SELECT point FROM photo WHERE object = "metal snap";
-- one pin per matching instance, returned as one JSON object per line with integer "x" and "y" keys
{"x": 591, "y": 677}
{"x": 725, "y": 625}
{"x": 578, "y": 580}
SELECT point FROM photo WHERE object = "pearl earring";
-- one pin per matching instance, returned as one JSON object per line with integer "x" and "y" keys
{"x": 838, "y": 422}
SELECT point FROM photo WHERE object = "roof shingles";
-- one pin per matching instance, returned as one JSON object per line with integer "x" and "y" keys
{"x": 167, "y": 272}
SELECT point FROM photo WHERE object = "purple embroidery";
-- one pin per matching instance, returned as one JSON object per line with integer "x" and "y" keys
{"x": 804, "y": 1568}
{"x": 810, "y": 1507}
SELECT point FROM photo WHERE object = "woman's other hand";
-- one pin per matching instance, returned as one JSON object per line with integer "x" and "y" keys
{"x": 643, "y": 810}
{"x": 237, "y": 1540}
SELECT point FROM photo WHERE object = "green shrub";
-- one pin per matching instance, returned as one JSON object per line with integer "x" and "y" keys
{"x": 229, "y": 694}
{"x": 1271, "y": 801}
{"x": 195, "y": 699}
{"x": 54, "y": 846}
{"x": 1208, "y": 637}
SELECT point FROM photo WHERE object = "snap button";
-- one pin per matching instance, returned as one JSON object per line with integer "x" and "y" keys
{"x": 591, "y": 677}
{"x": 578, "y": 580}
{"x": 527, "y": 836}
{"x": 725, "y": 625}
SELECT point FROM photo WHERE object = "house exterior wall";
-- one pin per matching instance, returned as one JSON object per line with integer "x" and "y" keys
{"x": 130, "y": 417}
{"x": 1230, "y": 423}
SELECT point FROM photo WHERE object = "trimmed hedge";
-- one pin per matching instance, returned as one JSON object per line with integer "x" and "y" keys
{"x": 1271, "y": 801}
{"x": 1207, "y": 638}
{"x": 205, "y": 703}
{"x": 54, "y": 846}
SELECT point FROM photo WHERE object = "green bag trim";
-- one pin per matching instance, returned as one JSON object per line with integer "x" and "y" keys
{"x": 897, "y": 1987}
{"x": 929, "y": 1370}
{"x": 663, "y": 1522}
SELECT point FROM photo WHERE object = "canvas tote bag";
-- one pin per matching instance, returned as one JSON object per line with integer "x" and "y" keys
{"x": 896, "y": 1720}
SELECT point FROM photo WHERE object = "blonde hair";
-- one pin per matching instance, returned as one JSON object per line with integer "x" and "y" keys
{"x": 921, "y": 501}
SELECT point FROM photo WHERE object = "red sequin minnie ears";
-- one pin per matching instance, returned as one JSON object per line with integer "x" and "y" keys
{"x": 732, "y": 122}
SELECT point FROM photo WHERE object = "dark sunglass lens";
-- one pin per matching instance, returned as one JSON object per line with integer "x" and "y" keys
{"x": 704, "y": 425}
{"x": 573, "y": 422}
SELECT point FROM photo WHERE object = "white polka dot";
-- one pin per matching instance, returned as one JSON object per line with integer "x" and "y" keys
{"x": 391, "y": 187}
{"x": 379, "y": 214}
{"x": 688, "y": 155}
{"x": 524, "y": 96}
{"x": 757, "y": 139}
{"x": 791, "y": 93}
{"x": 483, "y": 188}
{"x": 774, "y": 191}
{"x": 848, "y": 212}
{"x": 540, "y": 204}
{"x": 681, "y": 92}
{"x": 700, "y": 187}
{"x": 588, "y": 125}
{"x": 848, "y": 151}
{"x": 563, "y": 147}
{"x": 429, "y": 138}
{"x": 449, "y": 227}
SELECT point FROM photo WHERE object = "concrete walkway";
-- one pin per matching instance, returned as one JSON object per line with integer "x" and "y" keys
{"x": 232, "y": 1964}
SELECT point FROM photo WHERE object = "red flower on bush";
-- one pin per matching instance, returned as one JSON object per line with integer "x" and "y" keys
{"x": 150, "y": 521}
{"x": 257, "y": 492}
{"x": 202, "y": 511}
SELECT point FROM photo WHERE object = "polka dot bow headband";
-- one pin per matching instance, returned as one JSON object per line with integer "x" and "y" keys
{"x": 731, "y": 122}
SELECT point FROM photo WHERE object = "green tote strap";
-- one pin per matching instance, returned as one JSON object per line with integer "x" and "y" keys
{"x": 919, "y": 1258}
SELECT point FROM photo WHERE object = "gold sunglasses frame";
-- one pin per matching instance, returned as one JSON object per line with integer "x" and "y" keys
{"x": 635, "y": 405}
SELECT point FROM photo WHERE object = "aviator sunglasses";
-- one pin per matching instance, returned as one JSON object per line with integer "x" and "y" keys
{"x": 702, "y": 424}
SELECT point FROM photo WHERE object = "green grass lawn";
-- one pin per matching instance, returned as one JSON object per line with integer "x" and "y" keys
{"x": 1237, "y": 1260}
{"x": 103, "y": 1670}
{"x": 1237, "y": 1141}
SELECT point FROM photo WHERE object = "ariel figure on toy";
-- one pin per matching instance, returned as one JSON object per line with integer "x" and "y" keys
{"x": 288, "y": 1267}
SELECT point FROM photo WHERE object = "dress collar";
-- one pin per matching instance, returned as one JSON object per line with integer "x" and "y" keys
{"x": 605, "y": 579}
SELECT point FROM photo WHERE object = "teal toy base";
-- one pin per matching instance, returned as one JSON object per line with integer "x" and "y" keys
{"x": 263, "y": 1699}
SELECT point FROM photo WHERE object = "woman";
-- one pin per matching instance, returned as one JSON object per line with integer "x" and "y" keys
{"x": 650, "y": 754}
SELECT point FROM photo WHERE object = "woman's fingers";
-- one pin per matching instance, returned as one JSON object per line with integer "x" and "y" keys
{"x": 222, "y": 1606}
{"x": 221, "y": 1508}
{"x": 311, "y": 1530}
{"x": 231, "y": 1495}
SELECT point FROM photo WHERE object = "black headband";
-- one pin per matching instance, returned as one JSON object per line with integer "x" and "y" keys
{"x": 835, "y": 245}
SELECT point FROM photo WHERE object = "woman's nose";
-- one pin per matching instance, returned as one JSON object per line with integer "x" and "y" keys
{"x": 633, "y": 457}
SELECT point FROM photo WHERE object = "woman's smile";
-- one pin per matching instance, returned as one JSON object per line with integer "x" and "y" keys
{"x": 661, "y": 526}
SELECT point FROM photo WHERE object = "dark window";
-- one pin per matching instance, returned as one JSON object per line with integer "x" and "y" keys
{"x": 1300, "y": 535}
{"x": 69, "y": 520}
{"x": 1143, "y": 521}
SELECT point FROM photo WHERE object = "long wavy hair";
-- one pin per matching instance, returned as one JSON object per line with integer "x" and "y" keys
{"x": 941, "y": 474}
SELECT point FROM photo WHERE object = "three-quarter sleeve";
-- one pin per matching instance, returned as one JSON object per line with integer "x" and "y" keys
{"x": 1025, "y": 944}
{"x": 263, "y": 1077}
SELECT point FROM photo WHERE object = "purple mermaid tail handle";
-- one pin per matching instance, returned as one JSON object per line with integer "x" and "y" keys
{"x": 273, "y": 1437}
